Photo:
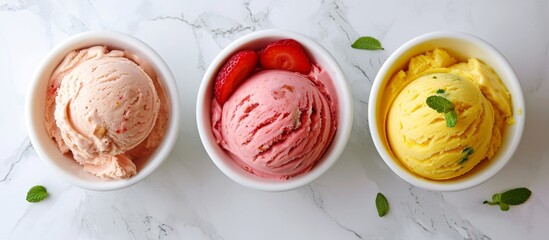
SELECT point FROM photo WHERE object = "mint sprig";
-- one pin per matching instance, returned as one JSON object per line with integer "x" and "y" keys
{"x": 512, "y": 197}
{"x": 367, "y": 43}
{"x": 440, "y": 104}
{"x": 382, "y": 205}
{"x": 451, "y": 118}
{"x": 37, "y": 194}
{"x": 466, "y": 152}
{"x": 443, "y": 105}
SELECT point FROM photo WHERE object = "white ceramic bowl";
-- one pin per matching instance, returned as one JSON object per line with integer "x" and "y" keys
{"x": 319, "y": 55}
{"x": 46, "y": 148}
{"x": 462, "y": 46}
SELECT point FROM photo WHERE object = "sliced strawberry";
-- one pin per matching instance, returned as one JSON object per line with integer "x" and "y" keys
{"x": 240, "y": 66}
{"x": 286, "y": 54}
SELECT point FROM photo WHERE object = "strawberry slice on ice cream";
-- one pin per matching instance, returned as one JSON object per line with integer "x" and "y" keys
{"x": 239, "y": 67}
{"x": 286, "y": 54}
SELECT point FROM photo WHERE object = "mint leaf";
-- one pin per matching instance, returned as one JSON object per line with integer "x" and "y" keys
{"x": 367, "y": 43}
{"x": 440, "y": 104}
{"x": 37, "y": 194}
{"x": 440, "y": 91}
{"x": 467, "y": 152}
{"x": 497, "y": 198}
{"x": 463, "y": 159}
{"x": 443, "y": 105}
{"x": 510, "y": 198}
{"x": 503, "y": 207}
{"x": 451, "y": 118}
{"x": 515, "y": 196}
{"x": 382, "y": 205}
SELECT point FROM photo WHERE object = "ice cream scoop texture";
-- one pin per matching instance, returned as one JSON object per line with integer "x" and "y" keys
{"x": 277, "y": 124}
{"x": 100, "y": 106}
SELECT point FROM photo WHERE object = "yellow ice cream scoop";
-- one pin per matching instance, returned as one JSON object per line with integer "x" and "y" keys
{"x": 420, "y": 136}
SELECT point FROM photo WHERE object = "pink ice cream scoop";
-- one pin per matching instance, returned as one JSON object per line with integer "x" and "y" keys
{"x": 277, "y": 124}
{"x": 105, "y": 107}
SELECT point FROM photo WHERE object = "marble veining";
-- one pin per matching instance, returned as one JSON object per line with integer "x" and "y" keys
{"x": 12, "y": 161}
{"x": 189, "y": 198}
{"x": 317, "y": 198}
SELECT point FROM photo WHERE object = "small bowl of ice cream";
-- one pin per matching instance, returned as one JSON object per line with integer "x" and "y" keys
{"x": 274, "y": 111}
{"x": 103, "y": 110}
{"x": 446, "y": 111}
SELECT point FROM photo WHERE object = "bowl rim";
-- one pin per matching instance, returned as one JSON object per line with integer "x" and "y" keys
{"x": 518, "y": 100}
{"x": 94, "y": 38}
{"x": 338, "y": 143}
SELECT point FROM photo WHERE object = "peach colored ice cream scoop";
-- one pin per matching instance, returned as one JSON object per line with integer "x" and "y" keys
{"x": 105, "y": 106}
{"x": 276, "y": 125}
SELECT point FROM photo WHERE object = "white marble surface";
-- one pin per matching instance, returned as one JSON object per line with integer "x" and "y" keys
{"x": 189, "y": 198}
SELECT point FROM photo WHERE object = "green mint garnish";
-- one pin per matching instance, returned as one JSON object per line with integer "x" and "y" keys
{"x": 451, "y": 118}
{"x": 516, "y": 196}
{"x": 382, "y": 205}
{"x": 440, "y": 104}
{"x": 504, "y": 207}
{"x": 434, "y": 77}
{"x": 512, "y": 197}
{"x": 467, "y": 152}
{"x": 37, "y": 194}
{"x": 367, "y": 43}
{"x": 441, "y": 91}
{"x": 443, "y": 105}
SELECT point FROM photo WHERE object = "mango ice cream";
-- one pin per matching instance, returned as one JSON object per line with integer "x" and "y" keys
{"x": 421, "y": 138}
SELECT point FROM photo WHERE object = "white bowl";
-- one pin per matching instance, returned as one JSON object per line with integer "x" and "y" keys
{"x": 319, "y": 55}
{"x": 47, "y": 149}
{"x": 462, "y": 46}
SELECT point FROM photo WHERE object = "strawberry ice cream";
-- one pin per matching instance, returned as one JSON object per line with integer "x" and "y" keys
{"x": 278, "y": 123}
{"x": 107, "y": 108}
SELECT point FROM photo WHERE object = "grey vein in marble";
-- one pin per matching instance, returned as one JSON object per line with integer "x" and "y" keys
{"x": 15, "y": 159}
{"x": 158, "y": 229}
{"x": 430, "y": 219}
{"x": 362, "y": 71}
{"x": 319, "y": 203}
{"x": 259, "y": 21}
{"x": 181, "y": 18}
{"x": 207, "y": 22}
{"x": 338, "y": 16}
{"x": 129, "y": 229}
{"x": 465, "y": 230}
{"x": 335, "y": 10}
{"x": 7, "y": 7}
{"x": 205, "y": 228}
